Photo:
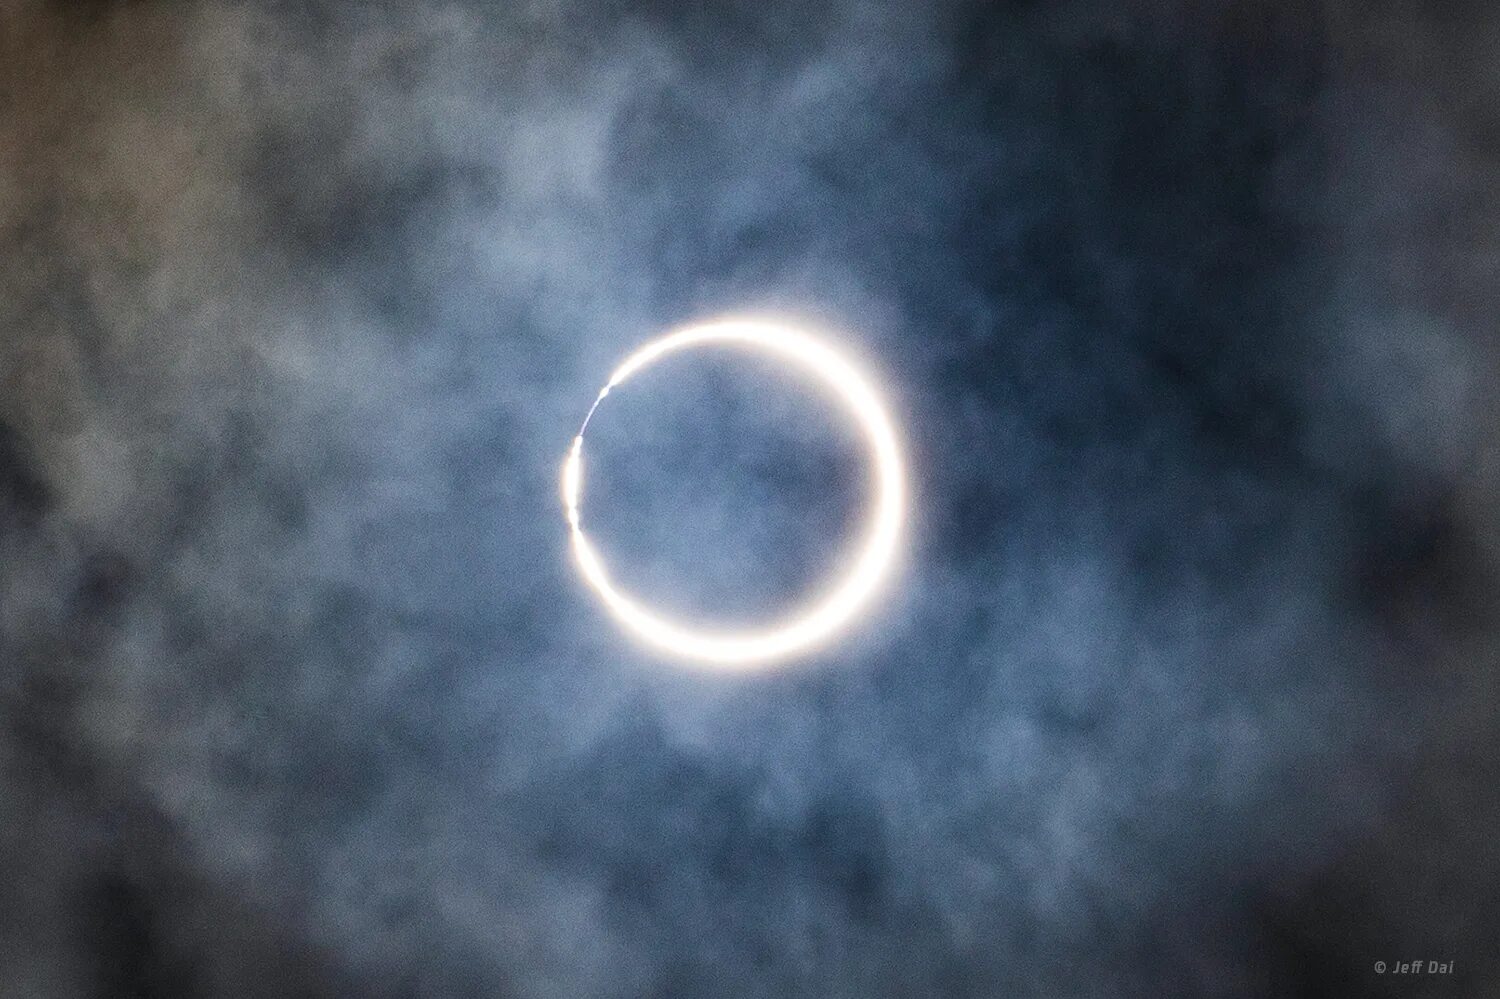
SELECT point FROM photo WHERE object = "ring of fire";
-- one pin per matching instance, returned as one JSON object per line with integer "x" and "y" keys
{"x": 801, "y": 631}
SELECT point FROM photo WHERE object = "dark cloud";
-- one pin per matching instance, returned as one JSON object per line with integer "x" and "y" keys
{"x": 1185, "y": 686}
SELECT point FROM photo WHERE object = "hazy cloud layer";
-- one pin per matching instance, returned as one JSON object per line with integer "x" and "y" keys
{"x": 1187, "y": 684}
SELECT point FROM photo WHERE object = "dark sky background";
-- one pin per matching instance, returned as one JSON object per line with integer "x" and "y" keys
{"x": 1187, "y": 683}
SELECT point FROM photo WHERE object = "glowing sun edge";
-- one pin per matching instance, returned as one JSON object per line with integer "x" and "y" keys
{"x": 800, "y": 632}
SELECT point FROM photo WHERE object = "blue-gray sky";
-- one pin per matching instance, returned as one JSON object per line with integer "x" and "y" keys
{"x": 1186, "y": 685}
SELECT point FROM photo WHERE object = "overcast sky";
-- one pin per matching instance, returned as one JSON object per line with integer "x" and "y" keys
{"x": 1185, "y": 685}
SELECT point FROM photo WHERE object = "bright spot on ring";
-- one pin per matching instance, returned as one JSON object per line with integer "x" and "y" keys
{"x": 810, "y": 626}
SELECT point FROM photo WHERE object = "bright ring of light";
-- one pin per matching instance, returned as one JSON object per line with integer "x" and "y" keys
{"x": 848, "y": 594}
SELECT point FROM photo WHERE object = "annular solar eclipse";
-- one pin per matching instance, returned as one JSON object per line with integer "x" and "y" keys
{"x": 836, "y": 606}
